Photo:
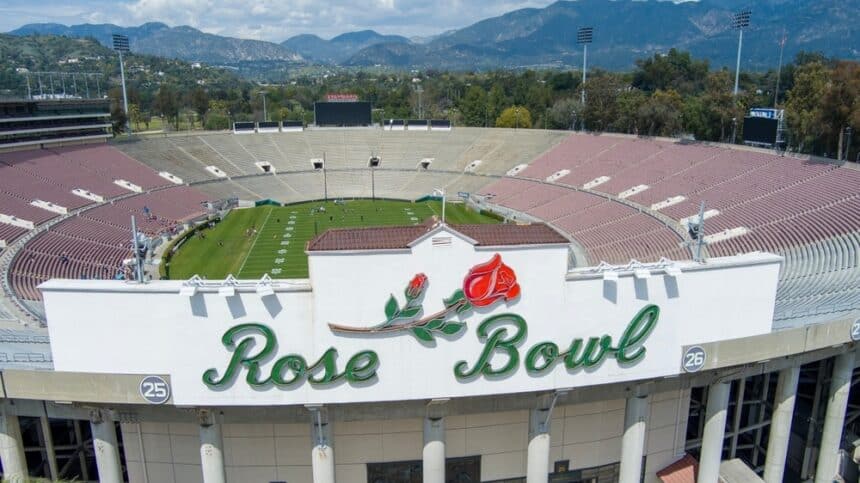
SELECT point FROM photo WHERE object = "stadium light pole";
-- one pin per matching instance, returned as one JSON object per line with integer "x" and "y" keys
{"x": 740, "y": 21}
{"x": 120, "y": 44}
{"x": 584, "y": 37}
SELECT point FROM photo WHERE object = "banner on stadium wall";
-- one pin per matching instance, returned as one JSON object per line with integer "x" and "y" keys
{"x": 429, "y": 322}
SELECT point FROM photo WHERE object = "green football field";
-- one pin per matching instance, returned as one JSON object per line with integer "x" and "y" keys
{"x": 251, "y": 242}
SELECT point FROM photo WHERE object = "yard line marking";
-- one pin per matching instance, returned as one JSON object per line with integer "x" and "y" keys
{"x": 255, "y": 241}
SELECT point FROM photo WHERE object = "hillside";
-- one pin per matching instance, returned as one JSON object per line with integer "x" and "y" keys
{"x": 183, "y": 42}
{"x": 626, "y": 30}
{"x": 63, "y": 54}
{"x": 340, "y": 48}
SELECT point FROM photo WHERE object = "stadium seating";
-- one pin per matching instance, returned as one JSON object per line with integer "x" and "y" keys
{"x": 95, "y": 243}
{"x": 807, "y": 211}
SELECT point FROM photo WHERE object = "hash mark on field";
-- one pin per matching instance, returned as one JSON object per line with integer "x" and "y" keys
{"x": 251, "y": 250}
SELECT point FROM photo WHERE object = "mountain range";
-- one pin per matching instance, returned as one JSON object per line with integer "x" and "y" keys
{"x": 624, "y": 30}
{"x": 186, "y": 43}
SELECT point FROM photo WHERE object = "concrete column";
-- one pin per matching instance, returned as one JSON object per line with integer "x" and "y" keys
{"x": 433, "y": 455}
{"x": 834, "y": 420}
{"x": 11, "y": 446}
{"x": 633, "y": 441}
{"x": 780, "y": 424}
{"x": 105, "y": 447}
{"x": 537, "y": 464}
{"x": 211, "y": 448}
{"x": 322, "y": 453}
{"x": 715, "y": 432}
{"x": 48, "y": 440}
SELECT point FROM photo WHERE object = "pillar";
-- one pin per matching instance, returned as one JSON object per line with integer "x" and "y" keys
{"x": 105, "y": 446}
{"x": 211, "y": 448}
{"x": 780, "y": 424}
{"x": 715, "y": 432}
{"x": 48, "y": 440}
{"x": 11, "y": 446}
{"x": 834, "y": 419}
{"x": 433, "y": 456}
{"x": 633, "y": 440}
{"x": 537, "y": 463}
{"x": 322, "y": 452}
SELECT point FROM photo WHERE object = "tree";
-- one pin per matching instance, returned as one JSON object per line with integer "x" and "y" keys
{"x": 601, "y": 100}
{"x": 473, "y": 107}
{"x": 804, "y": 106}
{"x": 840, "y": 105}
{"x": 216, "y": 121}
{"x": 515, "y": 117}
{"x": 200, "y": 101}
{"x": 496, "y": 101}
{"x": 660, "y": 115}
{"x": 628, "y": 104}
{"x": 167, "y": 104}
{"x": 676, "y": 70}
{"x": 563, "y": 114}
{"x": 135, "y": 115}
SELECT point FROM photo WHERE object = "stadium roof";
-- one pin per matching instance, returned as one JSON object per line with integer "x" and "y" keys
{"x": 402, "y": 237}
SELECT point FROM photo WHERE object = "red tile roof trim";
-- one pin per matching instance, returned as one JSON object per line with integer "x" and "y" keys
{"x": 401, "y": 237}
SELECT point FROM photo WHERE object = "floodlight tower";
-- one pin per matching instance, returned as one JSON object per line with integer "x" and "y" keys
{"x": 120, "y": 44}
{"x": 740, "y": 21}
{"x": 584, "y": 37}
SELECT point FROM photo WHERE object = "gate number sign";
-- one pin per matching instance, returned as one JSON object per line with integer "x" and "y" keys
{"x": 694, "y": 359}
{"x": 155, "y": 389}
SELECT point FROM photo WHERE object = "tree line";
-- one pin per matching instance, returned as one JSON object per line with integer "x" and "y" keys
{"x": 670, "y": 94}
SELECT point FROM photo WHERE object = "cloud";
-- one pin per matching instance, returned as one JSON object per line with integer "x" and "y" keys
{"x": 273, "y": 20}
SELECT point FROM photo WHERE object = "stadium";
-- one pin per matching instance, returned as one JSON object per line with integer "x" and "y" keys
{"x": 422, "y": 302}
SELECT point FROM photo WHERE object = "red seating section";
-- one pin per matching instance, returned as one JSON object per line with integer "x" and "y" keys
{"x": 51, "y": 175}
{"x": 94, "y": 244}
{"x": 784, "y": 201}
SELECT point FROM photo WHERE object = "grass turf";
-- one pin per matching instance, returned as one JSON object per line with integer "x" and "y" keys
{"x": 278, "y": 247}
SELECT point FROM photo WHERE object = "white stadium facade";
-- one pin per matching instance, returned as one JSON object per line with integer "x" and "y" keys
{"x": 587, "y": 340}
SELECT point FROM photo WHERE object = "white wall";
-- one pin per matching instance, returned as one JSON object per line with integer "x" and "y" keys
{"x": 587, "y": 435}
{"x": 117, "y": 327}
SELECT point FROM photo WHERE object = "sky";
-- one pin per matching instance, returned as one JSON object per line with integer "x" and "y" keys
{"x": 272, "y": 20}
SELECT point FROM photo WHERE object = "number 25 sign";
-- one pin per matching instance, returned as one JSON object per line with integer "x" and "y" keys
{"x": 155, "y": 389}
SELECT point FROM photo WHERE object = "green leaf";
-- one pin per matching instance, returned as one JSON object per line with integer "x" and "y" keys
{"x": 452, "y": 328}
{"x": 422, "y": 334}
{"x": 466, "y": 306}
{"x": 455, "y": 297}
{"x": 434, "y": 324}
{"x": 391, "y": 308}
{"x": 409, "y": 312}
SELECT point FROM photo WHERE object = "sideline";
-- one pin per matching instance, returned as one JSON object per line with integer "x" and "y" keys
{"x": 251, "y": 250}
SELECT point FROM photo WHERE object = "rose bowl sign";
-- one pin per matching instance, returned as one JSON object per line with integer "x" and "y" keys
{"x": 501, "y": 334}
{"x": 424, "y": 321}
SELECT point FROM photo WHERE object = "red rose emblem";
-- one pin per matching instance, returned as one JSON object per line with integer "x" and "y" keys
{"x": 489, "y": 282}
{"x": 416, "y": 286}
